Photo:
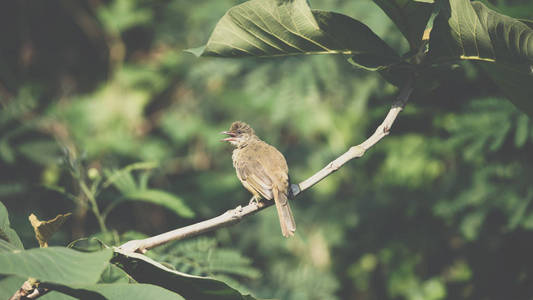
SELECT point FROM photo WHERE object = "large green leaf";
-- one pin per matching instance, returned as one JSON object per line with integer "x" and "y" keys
{"x": 529, "y": 23}
{"x": 284, "y": 27}
{"x": 56, "y": 264}
{"x": 471, "y": 31}
{"x": 410, "y": 16}
{"x": 145, "y": 270}
{"x": 9, "y": 285}
{"x": 515, "y": 82}
{"x": 7, "y": 233}
{"x": 53, "y": 295}
{"x": 468, "y": 30}
{"x": 6, "y": 246}
{"x": 118, "y": 291}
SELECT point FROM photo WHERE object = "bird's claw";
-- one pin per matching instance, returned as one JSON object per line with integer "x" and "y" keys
{"x": 254, "y": 200}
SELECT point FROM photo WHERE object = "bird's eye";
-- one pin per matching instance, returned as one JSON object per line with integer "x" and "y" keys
{"x": 239, "y": 131}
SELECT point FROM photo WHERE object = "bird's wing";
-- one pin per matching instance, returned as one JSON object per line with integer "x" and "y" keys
{"x": 253, "y": 172}
{"x": 275, "y": 165}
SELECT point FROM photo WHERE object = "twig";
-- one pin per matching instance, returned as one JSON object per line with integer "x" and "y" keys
{"x": 29, "y": 290}
{"x": 235, "y": 215}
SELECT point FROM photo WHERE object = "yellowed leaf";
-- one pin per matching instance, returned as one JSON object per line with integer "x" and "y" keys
{"x": 45, "y": 229}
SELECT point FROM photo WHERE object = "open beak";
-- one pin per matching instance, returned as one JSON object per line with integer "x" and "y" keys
{"x": 230, "y": 138}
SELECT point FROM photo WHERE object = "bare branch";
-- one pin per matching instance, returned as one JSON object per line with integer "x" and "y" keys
{"x": 235, "y": 215}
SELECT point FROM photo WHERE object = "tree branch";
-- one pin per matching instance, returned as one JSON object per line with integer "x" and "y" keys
{"x": 235, "y": 215}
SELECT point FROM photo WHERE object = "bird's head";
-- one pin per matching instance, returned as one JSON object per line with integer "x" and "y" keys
{"x": 239, "y": 134}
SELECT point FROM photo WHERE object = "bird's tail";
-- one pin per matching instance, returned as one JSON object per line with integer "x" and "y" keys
{"x": 286, "y": 220}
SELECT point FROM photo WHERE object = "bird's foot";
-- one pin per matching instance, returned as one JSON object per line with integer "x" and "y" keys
{"x": 255, "y": 200}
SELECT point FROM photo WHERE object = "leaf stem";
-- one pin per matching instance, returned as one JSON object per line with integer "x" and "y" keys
{"x": 94, "y": 206}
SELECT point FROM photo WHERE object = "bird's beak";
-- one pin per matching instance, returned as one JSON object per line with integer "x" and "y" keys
{"x": 230, "y": 138}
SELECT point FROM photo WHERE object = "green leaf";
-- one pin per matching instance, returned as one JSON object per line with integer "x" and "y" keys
{"x": 118, "y": 175}
{"x": 7, "y": 234}
{"x": 196, "y": 51}
{"x": 472, "y": 223}
{"x": 49, "y": 151}
{"x": 522, "y": 130}
{"x": 56, "y": 264}
{"x": 6, "y": 152}
{"x": 5, "y": 246}
{"x": 203, "y": 257}
{"x": 53, "y": 295}
{"x": 515, "y": 82}
{"x": 122, "y": 15}
{"x": 130, "y": 291}
{"x": 471, "y": 31}
{"x": 123, "y": 180}
{"x": 283, "y": 27}
{"x": 9, "y": 285}
{"x": 114, "y": 274}
{"x": 162, "y": 198}
{"x": 410, "y": 16}
{"x": 529, "y": 23}
{"x": 468, "y": 30}
{"x": 145, "y": 270}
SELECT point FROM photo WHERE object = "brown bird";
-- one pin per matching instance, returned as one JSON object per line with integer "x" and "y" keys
{"x": 262, "y": 170}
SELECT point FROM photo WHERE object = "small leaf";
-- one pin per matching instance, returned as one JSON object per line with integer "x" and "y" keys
{"x": 56, "y": 264}
{"x": 196, "y": 51}
{"x": 6, "y": 152}
{"x": 45, "y": 229}
{"x": 145, "y": 270}
{"x": 6, "y": 232}
{"x": 499, "y": 136}
{"x": 122, "y": 180}
{"x": 471, "y": 224}
{"x": 522, "y": 130}
{"x": 116, "y": 175}
{"x": 162, "y": 198}
{"x": 49, "y": 152}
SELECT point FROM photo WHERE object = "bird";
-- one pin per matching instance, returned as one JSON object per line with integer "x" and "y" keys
{"x": 262, "y": 170}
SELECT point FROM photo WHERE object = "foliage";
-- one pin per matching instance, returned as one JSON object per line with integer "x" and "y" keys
{"x": 269, "y": 28}
{"x": 463, "y": 30}
{"x": 76, "y": 274}
{"x": 146, "y": 270}
{"x": 202, "y": 257}
{"x": 109, "y": 119}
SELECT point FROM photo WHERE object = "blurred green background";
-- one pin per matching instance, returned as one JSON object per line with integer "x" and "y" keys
{"x": 99, "y": 95}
